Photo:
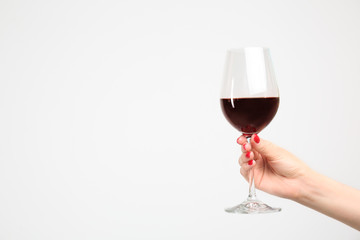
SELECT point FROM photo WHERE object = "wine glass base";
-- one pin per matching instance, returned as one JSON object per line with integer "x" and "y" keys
{"x": 252, "y": 206}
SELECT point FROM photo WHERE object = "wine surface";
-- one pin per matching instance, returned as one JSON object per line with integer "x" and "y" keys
{"x": 249, "y": 115}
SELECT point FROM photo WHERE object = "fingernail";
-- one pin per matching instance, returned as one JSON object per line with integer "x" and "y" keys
{"x": 250, "y": 162}
{"x": 256, "y": 138}
{"x": 238, "y": 140}
{"x": 248, "y": 154}
{"x": 244, "y": 146}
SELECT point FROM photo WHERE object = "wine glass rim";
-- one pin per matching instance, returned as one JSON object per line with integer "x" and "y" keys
{"x": 244, "y": 48}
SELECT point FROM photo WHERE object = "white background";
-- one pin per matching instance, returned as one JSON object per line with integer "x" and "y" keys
{"x": 110, "y": 124}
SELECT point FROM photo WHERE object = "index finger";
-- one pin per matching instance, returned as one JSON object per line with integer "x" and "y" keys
{"x": 241, "y": 140}
{"x": 244, "y": 143}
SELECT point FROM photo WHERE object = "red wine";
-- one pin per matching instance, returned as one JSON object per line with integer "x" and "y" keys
{"x": 249, "y": 115}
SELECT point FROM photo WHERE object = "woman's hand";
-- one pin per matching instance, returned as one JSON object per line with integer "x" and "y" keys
{"x": 276, "y": 171}
{"x": 280, "y": 173}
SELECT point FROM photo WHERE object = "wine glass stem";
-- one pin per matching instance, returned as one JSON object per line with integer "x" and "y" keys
{"x": 252, "y": 189}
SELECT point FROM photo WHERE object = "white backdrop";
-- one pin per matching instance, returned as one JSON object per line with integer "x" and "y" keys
{"x": 110, "y": 124}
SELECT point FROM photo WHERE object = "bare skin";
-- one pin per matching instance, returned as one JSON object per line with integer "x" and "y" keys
{"x": 280, "y": 173}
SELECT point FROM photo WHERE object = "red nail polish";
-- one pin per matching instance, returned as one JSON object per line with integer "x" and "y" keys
{"x": 244, "y": 146}
{"x": 256, "y": 138}
{"x": 248, "y": 154}
{"x": 250, "y": 162}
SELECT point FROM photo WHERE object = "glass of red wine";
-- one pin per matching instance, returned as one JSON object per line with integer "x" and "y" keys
{"x": 249, "y": 101}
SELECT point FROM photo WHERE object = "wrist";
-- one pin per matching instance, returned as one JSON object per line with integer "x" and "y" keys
{"x": 329, "y": 197}
{"x": 308, "y": 187}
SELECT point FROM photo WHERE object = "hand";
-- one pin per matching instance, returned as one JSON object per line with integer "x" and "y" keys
{"x": 280, "y": 173}
{"x": 276, "y": 170}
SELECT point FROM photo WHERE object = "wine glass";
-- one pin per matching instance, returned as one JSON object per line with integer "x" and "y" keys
{"x": 249, "y": 101}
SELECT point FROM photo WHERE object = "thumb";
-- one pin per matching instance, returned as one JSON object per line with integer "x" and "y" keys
{"x": 262, "y": 146}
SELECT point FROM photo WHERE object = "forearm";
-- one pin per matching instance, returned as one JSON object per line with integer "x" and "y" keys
{"x": 331, "y": 198}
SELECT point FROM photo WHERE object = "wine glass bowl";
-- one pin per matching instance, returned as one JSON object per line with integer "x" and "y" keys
{"x": 249, "y": 101}
{"x": 249, "y": 115}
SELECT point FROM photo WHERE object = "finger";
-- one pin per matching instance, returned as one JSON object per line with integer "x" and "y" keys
{"x": 241, "y": 140}
{"x": 246, "y": 167}
{"x": 257, "y": 155}
{"x": 261, "y": 146}
{"x": 245, "y": 157}
{"x": 245, "y": 146}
